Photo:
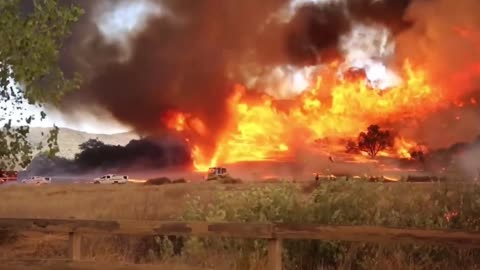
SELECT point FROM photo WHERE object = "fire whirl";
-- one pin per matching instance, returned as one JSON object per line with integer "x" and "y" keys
{"x": 260, "y": 129}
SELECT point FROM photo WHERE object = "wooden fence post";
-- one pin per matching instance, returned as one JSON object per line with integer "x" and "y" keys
{"x": 275, "y": 254}
{"x": 74, "y": 245}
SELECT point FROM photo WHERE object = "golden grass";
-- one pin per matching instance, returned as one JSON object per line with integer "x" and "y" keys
{"x": 88, "y": 201}
{"x": 90, "y": 266}
{"x": 109, "y": 202}
{"x": 105, "y": 202}
{"x": 99, "y": 202}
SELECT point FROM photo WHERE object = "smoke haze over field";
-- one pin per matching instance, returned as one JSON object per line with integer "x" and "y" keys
{"x": 97, "y": 157}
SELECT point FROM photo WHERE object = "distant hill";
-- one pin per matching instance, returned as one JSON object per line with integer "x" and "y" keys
{"x": 69, "y": 140}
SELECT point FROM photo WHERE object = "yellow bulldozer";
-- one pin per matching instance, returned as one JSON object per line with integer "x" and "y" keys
{"x": 216, "y": 173}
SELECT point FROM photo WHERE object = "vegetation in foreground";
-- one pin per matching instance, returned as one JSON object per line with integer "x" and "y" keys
{"x": 32, "y": 37}
{"x": 433, "y": 206}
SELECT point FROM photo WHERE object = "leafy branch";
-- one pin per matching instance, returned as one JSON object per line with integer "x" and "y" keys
{"x": 30, "y": 46}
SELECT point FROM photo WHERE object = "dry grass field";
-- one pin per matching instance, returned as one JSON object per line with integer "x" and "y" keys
{"x": 398, "y": 205}
{"x": 90, "y": 266}
{"x": 98, "y": 202}
{"x": 88, "y": 201}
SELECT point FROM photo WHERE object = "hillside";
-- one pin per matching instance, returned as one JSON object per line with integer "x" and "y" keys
{"x": 69, "y": 139}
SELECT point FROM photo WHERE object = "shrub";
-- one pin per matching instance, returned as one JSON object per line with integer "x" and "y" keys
{"x": 229, "y": 180}
{"x": 158, "y": 181}
{"x": 434, "y": 206}
{"x": 179, "y": 181}
{"x": 8, "y": 237}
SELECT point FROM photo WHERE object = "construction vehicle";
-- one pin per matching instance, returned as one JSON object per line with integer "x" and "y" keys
{"x": 8, "y": 176}
{"x": 321, "y": 177}
{"x": 216, "y": 173}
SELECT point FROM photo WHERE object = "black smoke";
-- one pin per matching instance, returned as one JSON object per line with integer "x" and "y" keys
{"x": 314, "y": 31}
{"x": 389, "y": 13}
{"x": 138, "y": 155}
{"x": 189, "y": 57}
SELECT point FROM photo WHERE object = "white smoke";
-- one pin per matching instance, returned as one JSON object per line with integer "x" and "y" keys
{"x": 287, "y": 81}
{"x": 369, "y": 47}
{"x": 469, "y": 162}
{"x": 118, "y": 22}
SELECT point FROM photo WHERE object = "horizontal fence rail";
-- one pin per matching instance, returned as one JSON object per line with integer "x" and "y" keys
{"x": 274, "y": 233}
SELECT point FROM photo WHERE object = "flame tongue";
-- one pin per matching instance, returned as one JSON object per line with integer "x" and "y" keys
{"x": 258, "y": 129}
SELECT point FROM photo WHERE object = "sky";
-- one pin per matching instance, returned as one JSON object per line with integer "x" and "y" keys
{"x": 116, "y": 25}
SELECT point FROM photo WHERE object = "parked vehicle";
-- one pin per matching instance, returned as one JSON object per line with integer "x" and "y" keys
{"x": 8, "y": 176}
{"x": 37, "y": 180}
{"x": 111, "y": 179}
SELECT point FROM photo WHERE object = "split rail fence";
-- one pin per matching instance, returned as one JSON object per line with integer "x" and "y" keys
{"x": 274, "y": 233}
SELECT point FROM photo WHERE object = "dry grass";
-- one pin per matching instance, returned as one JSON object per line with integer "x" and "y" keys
{"x": 129, "y": 201}
{"x": 88, "y": 201}
{"x": 82, "y": 201}
{"x": 90, "y": 266}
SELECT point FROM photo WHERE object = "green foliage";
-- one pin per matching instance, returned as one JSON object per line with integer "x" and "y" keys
{"x": 270, "y": 204}
{"x": 435, "y": 206}
{"x": 29, "y": 69}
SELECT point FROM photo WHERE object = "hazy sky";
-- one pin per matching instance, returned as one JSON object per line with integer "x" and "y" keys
{"x": 115, "y": 25}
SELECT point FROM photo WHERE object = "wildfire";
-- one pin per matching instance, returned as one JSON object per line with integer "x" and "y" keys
{"x": 260, "y": 129}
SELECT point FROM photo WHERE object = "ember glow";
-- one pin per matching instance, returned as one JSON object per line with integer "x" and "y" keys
{"x": 261, "y": 130}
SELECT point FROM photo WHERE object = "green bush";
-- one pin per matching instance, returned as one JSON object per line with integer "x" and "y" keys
{"x": 345, "y": 203}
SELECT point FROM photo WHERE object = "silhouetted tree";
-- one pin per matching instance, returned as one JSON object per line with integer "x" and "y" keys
{"x": 91, "y": 144}
{"x": 148, "y": 153}
{"x": 352, "y": 147}
{"x": 417, "y": 155}
{"x": 374, "y": 140}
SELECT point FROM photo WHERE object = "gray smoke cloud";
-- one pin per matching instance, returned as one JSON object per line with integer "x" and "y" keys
{"x": 188, "y": 55}
{"x": 469, "y": 162}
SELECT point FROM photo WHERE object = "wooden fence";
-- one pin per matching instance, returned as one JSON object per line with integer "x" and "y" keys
{"x": 274, "y": 233}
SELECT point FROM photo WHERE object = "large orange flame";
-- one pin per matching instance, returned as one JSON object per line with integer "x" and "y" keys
{"x": 334, "y": 107}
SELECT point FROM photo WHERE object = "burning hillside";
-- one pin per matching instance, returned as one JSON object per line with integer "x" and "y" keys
{"x": 262, "y": 81}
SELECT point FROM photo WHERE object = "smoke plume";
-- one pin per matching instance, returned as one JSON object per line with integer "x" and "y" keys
{"x": 188, "y": 56}
{"x": 445, "y": 37}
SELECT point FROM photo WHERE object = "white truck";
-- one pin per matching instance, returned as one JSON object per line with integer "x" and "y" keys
{"x": 111, "y": 179}
{"x": 37, "y": 180}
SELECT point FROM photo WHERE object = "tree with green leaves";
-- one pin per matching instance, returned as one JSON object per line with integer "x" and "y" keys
{"x": 30, "y": 44}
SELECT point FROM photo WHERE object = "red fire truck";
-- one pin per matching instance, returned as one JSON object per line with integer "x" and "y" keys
{"x": 8, "y": 176}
